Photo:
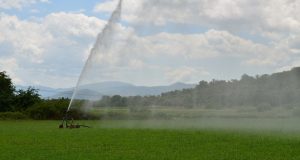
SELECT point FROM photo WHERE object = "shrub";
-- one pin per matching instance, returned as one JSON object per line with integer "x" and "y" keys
{"x": 12, "y": 116}
{"x": 48, "y": 109}
{"x": 55, "y": 110}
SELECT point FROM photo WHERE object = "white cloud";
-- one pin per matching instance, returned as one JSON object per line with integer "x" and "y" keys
{"x": 176, "y": 52}
{"x": 106, "y": 6}
{"x": 275, "y": 20}
{"x": 129, "y": 11}
{"x": 53, "y": 46}
{"x": 53, "y": 49}
{"x": 26, "y": 38}
{"x": 210, "y": 44}
{"x": 185, "y": 74}
{"x": 57, "y": 46}
{"x": 136, "y": 63}
{"x": 253, "y": 16}
{"x": 10, "y": 66}
{"x": 19, "y": 4}
{"x": 72, "y": 24}
{"x": 295, "y": 63}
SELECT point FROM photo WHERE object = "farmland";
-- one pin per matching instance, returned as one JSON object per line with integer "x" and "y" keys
{"x": 210, "y": 139}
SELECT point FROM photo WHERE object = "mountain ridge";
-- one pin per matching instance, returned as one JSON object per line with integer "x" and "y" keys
{"x": 95, "y": 90}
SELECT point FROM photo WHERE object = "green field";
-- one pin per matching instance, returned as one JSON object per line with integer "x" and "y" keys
{"x": 147, "y": 140}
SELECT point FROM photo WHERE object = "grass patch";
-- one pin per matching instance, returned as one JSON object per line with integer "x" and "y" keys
{"x": 43, "y": 140}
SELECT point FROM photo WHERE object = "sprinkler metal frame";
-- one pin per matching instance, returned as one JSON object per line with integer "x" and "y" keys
{"x": 68, "y": 122}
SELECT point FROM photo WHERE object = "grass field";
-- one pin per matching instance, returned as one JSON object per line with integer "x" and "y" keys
{"x": 29, "y": 140}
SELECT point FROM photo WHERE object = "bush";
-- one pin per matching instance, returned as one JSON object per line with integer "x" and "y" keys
{"x": 26, "y": 99}
{"x": 12, "y": 116}
{"x": 48, "y": 109}
{"x": 55, "y": 110}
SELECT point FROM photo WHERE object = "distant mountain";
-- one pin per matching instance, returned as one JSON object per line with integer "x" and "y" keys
{"x": 81, "y": 94}
{"x": 96, "y": 90}
{"x": 126, "y": 89}
{"x": 45, "y": 92}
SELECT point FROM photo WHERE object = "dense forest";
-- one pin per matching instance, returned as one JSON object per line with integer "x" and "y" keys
{"x": 265, "y": 91}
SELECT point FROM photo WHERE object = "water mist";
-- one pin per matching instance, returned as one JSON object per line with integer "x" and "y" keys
{"x": 101, "y": 43}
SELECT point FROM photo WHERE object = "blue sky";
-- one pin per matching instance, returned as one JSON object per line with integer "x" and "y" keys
{"x": 41, "y": 10}
{"x": 46, "y": 42}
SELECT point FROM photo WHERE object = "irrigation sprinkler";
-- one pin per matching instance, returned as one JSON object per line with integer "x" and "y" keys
{"x": 103, "y": 38}
{"x": 68, "y": 122}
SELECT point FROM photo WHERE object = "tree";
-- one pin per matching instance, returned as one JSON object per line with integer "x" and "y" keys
{"x": 118, "y": 101}
{"x": 6, "y": 92}
{"x": 25, "y": 99}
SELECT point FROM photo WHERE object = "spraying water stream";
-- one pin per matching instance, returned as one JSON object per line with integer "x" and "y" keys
{"x": 102, "y": 42}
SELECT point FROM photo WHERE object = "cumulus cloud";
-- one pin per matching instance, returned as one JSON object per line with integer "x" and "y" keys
{"x": 263, "y": 17}
{"x": 53, "y": 45}
{"x": 275, "y": 20}
{"x": 185, "y": 74}
{"x": 207, "y": 45}
{"x": 57, "y": 46}
{"x": 71, "y": 24}
{"x": 10, "y": 66}
{"x": 294, "y": 63}
{"x": 249, "y": 34}
{"x": 170, "y": 55}
{"x": 27, "y": 39}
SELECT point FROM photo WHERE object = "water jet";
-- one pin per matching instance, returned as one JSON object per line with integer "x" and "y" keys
{"x": 101, "y": 42}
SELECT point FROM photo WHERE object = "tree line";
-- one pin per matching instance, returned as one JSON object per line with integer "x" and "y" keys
{"x": 23, "y": 104}
{"x": 15, "y": 100}
{"x": 264, "y": 91}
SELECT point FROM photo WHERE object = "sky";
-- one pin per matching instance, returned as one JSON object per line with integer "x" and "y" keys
{"x": 157, "y": 42}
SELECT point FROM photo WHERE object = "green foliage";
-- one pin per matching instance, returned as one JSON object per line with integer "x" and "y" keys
{"x": 48, "y": 109}
{"x": 12, "y": 116}
{"x": 263, "y": 92}
{"x": 118, "y": 101}
{"x": 113, "y": 101}
{"x": 26, "y": 99}
{"x": 55, "y": 109}
{"x": 11, "y": 100}
{"x": 6, "y": 92}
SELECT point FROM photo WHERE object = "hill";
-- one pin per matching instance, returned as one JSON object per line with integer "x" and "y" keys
{"x": 91, "y": 91}
{"x": 96, "y": 90}
{"x": 263, "y": 91}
